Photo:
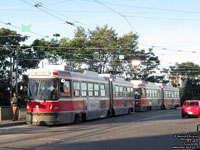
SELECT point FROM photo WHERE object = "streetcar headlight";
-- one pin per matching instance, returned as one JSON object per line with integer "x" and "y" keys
{"x": 51, "y": 106}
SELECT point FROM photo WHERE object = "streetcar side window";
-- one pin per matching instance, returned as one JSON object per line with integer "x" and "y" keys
{"x": 152, "y": 93}
{"x": 125, "y": 92}
{"x": 172, "y": 94}
{"x": 177, "y": 94}
{"x": 96, "y": 89}
{"x": 166, "y": 94}
{"x": 148, "y": 93}
{"x": 121, "y": 91}
{"x": 84, "y": 89}
{"x": 129, "y": 92}
{"x": 159, "y": 93}
{"x": 132, "y": 93}
{"x": 116, "y": 91}
{"x": 90, "y": 89}
{"x": 156, "y": 93}
{"x": 76, "y": 89}
{"x": 143, "y": 93}
{"x": 103, "y": 91}
{"x": 65, "y": 88}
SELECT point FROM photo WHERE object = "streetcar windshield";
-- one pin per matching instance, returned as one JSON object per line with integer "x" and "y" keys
{"x": 43, "y": 89}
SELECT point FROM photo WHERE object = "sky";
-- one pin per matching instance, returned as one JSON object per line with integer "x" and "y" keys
{"x": 171, "y": 27}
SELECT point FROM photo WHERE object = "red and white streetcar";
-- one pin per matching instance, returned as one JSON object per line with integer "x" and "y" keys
{"x": 150, "y": 96}
{"x": 59, "y": 96}
{"x": 171, "y": 97}
{"x": 147, "y": 96}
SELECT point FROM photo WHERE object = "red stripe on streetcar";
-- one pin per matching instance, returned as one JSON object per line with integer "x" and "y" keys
{"x": 131, "y": 102}
{"x": 144, "y": 102}
{"x": 42, "y": 106}
{"x": 71, "y": 105}
{"x": 55, "y": 106}
{"x": 118, "y": 103}
{"x": 167, "y": 101}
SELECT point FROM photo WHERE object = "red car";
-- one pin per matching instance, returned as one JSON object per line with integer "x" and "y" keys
{"x": 191, "y": 108}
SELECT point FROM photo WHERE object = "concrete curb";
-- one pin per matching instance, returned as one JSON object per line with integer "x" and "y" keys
{"x": 10, "y": 124}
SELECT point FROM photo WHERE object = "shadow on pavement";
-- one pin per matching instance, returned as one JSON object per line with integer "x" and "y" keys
{"x": 161, "y": 142}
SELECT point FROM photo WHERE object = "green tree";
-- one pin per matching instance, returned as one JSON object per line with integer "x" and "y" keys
{"x": 9, "y": 43}
{"x": 183, "y": 71}
{"x": 147, "y": 69}
{"x": 187, "y": 73}
{"x": 104, "y": 41}
{"x": 99, "y": 49}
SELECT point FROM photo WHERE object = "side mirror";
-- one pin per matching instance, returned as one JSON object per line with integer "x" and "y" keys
{"x": 198, "y": 128}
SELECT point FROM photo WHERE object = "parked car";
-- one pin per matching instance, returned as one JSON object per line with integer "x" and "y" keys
{"x": 191, "y": 108}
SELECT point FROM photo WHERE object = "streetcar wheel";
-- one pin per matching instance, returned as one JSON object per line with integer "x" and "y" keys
{"x": 183, "y": 116}
{"x": 129, "y": 111}
{"x": 77, "y": 118}
{"x": 109, "y": 114}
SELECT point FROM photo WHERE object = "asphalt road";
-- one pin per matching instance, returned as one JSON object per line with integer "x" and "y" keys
{"x": 155, "y": 130}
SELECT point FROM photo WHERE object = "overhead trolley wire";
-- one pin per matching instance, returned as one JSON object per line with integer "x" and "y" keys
{"x": 122, "y": 15}
{"x": 52, "y": 13}
{"x": 41, "y": 7}
{"x": 20, "y": 28}
{"x": 150, "y": 8}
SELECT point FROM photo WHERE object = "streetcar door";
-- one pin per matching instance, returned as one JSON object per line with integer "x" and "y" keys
{"x": 110, "y": 83}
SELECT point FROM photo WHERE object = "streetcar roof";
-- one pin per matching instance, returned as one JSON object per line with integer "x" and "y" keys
{"x": 52, "y": 73}
{"x": 170, "y": 87}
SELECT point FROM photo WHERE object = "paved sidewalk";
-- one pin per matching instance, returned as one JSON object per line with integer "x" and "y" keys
{"x": 21, "y": 121}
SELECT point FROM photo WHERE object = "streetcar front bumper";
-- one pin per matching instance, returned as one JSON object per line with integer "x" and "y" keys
{"x": 42, "y": 118}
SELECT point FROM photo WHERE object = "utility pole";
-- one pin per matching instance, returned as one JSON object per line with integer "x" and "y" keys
{"x": 16, "y": 84}
{"x": 11, "y": 76}
{"x": 56, "y": 35}
{"x": 17, "y": 69}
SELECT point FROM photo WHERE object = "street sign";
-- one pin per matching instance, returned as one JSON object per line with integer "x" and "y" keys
{"x": 26, "y": 28}
{"x": 121, "y": 57}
